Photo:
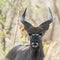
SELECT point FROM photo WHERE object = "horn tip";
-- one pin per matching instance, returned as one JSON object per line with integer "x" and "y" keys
{"x": 51, "y": 14}
{"x": 26, "y": 8}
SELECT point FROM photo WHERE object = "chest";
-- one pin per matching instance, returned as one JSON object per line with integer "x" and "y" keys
{"x": 34, "y": 55}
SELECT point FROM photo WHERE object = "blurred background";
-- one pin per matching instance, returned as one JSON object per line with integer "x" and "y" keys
{"x": 12, "y": 31}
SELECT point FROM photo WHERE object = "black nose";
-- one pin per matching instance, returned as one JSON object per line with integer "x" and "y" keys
{"x": 35, "y": 44}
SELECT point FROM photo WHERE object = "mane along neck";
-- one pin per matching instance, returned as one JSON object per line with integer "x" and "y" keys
{"x": 35, "y": 53}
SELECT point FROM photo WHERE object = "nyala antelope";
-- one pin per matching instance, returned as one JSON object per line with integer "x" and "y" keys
{"x": 35, "y": 50}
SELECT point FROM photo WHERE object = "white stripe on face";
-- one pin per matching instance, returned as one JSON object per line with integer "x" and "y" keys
{"x": 35, "y": 34}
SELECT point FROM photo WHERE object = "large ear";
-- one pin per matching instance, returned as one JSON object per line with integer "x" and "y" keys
{"x": 44, "y": 26}
{"x": 27, "y": 25}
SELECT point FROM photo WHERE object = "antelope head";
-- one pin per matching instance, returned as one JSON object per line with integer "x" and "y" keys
{"x": 36, "y": 33}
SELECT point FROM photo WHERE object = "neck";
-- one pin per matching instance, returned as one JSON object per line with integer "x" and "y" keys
{"x": 36, "y": 53}
{"x": 33, "y": 54}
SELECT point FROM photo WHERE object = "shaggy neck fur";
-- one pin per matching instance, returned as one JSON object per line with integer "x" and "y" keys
{"x": 36, "y": 53}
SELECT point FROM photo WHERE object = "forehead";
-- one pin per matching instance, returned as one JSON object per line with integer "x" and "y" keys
{"x": 35, "y": 36}
{"x": 35, "y": 31}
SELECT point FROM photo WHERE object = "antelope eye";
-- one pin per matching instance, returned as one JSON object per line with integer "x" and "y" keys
{"x": 40, "y": 33}
{"x": 30, "y": 34}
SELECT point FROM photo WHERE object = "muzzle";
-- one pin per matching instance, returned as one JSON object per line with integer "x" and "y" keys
{"x": 35, "y": 45}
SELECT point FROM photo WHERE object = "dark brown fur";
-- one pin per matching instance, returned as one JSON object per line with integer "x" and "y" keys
{"x": 35, "y": 33}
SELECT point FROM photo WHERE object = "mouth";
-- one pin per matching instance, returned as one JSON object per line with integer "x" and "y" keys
{"x": 35, "y": 45}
